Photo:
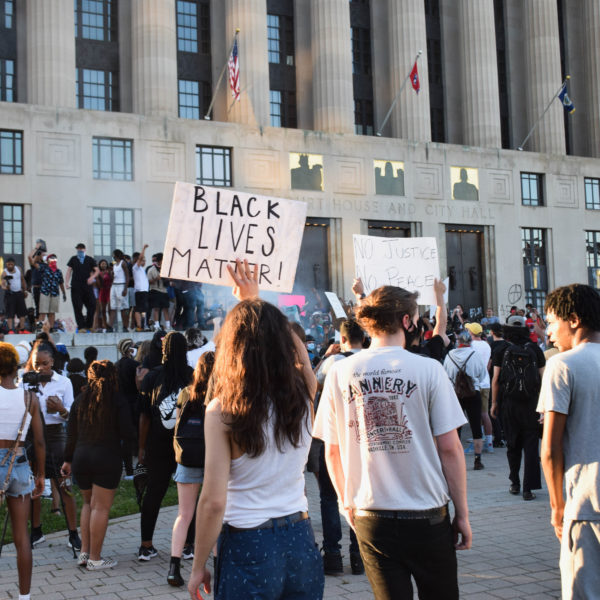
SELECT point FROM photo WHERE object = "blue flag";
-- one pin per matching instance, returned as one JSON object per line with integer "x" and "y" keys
{"x": 566, "y": 101}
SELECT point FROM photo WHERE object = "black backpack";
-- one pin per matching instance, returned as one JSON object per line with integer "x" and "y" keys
{"x": 188, "y": 440}
{"x": 463, "y": 383}
{"x": 519, "y": 375}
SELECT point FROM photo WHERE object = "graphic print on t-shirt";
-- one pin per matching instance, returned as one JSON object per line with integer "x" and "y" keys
{"x": 381, "y": 422}
{"x": 167, "y": 412}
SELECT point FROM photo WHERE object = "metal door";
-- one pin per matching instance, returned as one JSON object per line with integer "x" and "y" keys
{"x": 464, "y": 251}
{"x": 313, "y": 263}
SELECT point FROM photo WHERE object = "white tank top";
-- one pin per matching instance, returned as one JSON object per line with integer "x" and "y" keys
{"x": 12, "y": 407}
{"x": 14, "y": 284}
{"x": 119, "y": 273}
{"x": 268, "y": 486}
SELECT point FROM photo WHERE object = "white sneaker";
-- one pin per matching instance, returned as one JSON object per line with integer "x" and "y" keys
{"x": 489, "y": 448}
{"x": 103, "y": 563}
{"x": 83, "y": 558}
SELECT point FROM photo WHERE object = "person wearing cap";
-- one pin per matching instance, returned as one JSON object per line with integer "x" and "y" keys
{"x": 51, "y": 284}
{"x": 520, "y": 420}
{"x": 81, "y": 274}
{"x": 483, "y": 349}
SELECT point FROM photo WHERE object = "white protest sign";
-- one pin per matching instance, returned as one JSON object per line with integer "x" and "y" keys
{"x": 338, "y": 309}
{"x": 409, "y": 263}
{"x": 210, "y": 227}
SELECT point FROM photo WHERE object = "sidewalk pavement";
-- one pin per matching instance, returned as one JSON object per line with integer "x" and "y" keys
{"x": 514, "y": 554}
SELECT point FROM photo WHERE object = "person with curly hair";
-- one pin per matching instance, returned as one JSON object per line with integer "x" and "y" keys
{"x": 20, "y": 484}
{"x": 258, "y": 435}
{"x": 99, "y": 421}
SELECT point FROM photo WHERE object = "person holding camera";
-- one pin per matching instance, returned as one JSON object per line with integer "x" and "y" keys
{"x": 98, "y": 422}
{"x": 55, "y": 394}
{"x": 52, "y": 283}
{"x": 18, "y": 412}
{"x": 14, "y": 286}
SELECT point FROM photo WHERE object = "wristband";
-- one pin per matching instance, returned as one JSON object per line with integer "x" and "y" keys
{"x": 363, "y": 296}
{"x": 64, "y": 414}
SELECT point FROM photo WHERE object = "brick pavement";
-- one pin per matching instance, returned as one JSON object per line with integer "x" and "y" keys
{"x": 514, "y": 555}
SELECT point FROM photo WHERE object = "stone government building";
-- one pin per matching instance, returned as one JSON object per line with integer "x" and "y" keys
{"x": 102, "y": 106}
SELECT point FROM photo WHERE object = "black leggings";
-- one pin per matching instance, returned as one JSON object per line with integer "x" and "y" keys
{"x": 472, "y": 406}
{"x": 160, "y": 471}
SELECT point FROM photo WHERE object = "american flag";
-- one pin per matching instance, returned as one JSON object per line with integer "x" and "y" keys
{"x": 234, "y": 71}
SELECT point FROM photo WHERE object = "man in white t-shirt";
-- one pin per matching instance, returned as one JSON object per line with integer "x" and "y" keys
{"x": 119, "y": 298}
{"x": 571, "y": 444}
{"x": 484, "y": 351}
{"x": 388, "y": 419}
{"x": 141, "y": 285}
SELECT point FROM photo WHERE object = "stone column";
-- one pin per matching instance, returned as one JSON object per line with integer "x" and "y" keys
{"x": 51, "y": 53}
{"x": 591, "y": 44}
{"x": 154, "y": 58}
{"x": 479, "y": 74}
{"x": 410, "y": 118}
{"x": 250, "y": 16}
{"x": 333, "y": 94}
{"x": 543, "y": 76}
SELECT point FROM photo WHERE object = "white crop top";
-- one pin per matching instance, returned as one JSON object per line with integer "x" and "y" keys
{"x": 12, "y": 407}
{"x": 268, "y": 486}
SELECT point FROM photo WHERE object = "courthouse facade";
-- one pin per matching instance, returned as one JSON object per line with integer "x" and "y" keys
{"x": 102, "y": 106}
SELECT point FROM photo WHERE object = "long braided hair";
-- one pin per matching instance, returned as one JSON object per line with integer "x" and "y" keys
{"x": 97, "y": 404}
{"x": 175, "y": 369}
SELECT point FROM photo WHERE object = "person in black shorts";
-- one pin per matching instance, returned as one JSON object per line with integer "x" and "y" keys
{"x": 98, "y": 422}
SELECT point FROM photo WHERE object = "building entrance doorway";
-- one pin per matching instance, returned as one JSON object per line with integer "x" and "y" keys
{"x": 464, "y": 246}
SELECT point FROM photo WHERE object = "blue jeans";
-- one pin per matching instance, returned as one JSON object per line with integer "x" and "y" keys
{"x": 193, "y": 305}
{"x": 330, "y": 512}
{"x": 269, "y": 564}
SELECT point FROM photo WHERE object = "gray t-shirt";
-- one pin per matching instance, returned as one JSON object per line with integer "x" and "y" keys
{"x": 570, "y": 386}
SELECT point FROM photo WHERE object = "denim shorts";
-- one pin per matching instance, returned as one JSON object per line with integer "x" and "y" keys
{"x": 188, "y": 474}
{"x": 272, "y": 563}
{"x": 21, "y": 478}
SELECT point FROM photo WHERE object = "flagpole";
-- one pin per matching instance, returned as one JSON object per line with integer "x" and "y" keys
{"x": 522, "y": 145}
{"x": 389, "y": 112}
{"x": 212, "y": 101}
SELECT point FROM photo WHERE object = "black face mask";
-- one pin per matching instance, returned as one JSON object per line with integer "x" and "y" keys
{"x": 411, "y": 334}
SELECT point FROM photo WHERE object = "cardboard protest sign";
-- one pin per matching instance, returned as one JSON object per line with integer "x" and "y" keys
{"x": 409, "y": 263}
{"x": 210, "y": 227}
{"x": 338, "y": 309}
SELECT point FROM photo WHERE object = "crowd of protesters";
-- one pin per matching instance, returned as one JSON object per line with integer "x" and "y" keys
{"x": 230, "y": 420}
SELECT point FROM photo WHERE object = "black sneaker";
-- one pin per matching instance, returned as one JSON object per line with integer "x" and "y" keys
{"x": 74, "y": 541}
{"x": 188, "y": 552}
{"x": 37, "y": 537}
{"x": 146, "y": 553}
{"x": 477, "y": 464}
{"x": 332, "y": 563}
{"x": 356, "y": 563}
{"x": 515, "y": 489}
{"x": 174, "y": 577}
{"x": 528, "y": 495}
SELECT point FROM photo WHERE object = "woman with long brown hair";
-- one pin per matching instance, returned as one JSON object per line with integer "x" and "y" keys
{"x": 258, "y": 434}
{"x": 98, "y": 423}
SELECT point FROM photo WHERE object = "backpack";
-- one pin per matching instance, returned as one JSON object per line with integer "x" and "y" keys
{"x": 188, "y": 440}
{"x": 463, "y": 383}
{"x": 519, "y": 375}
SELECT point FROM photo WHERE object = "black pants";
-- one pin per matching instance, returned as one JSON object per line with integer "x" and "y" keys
{"x": 394, "y": 549}
{"x": 83, "y": 296}
{"x": 160, "y": 471}
{"x": 525, "y": 442}
{"x": 472, "y": 406}
{"x": 36, "y": 290}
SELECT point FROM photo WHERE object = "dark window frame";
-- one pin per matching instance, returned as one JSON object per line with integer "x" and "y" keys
{"x": 7, "y": 226}
{"x": 534, "y": 255}
{"x": 110, "y": 87}
{"x": 225, "y": 155}
{"x": 362, "y": 68}
{"x": 592, "y": 188}
{"x": 15, "y": 167}
{"x": 98, "y": 232}
{"x": 105, "y": 172}
{"x": 527, "y": 178}
{"x": 8, "y": 80}
{"x": 437, "y": 103}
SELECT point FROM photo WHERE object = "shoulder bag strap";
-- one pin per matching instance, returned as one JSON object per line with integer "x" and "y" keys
{"x": 13, "y": 453}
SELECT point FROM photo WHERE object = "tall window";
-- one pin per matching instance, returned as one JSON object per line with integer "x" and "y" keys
{"x": 213, "y": 166}
{"x": 113, "y": 228}
{"x": 282, "y": 62}
{"x": 562, "y": 26}
{"x": 502, "y": 72}
{"x": 362, "y": 72}
{"x": 112, "y": 158}
{"x": 97, "y": 54}
{"x": 11, "y": 231}
{"x": 532, "y": 189}
{"x": 592, "y": 193}
{"x": 193, "y": 57}
{"x": 96, "y": 90}
{"x": 592, "y": 253}
{"x": 434, "y": 64}
{"x": 533, "y": 246}
{"x": 8, "y": 51}
{"x": 11, "y": 152}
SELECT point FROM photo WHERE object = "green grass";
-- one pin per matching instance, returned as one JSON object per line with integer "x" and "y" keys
{"x": 124, "y": 504}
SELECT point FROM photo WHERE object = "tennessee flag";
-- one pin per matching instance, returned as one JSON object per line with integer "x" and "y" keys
{"x": 414, "y": 78}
